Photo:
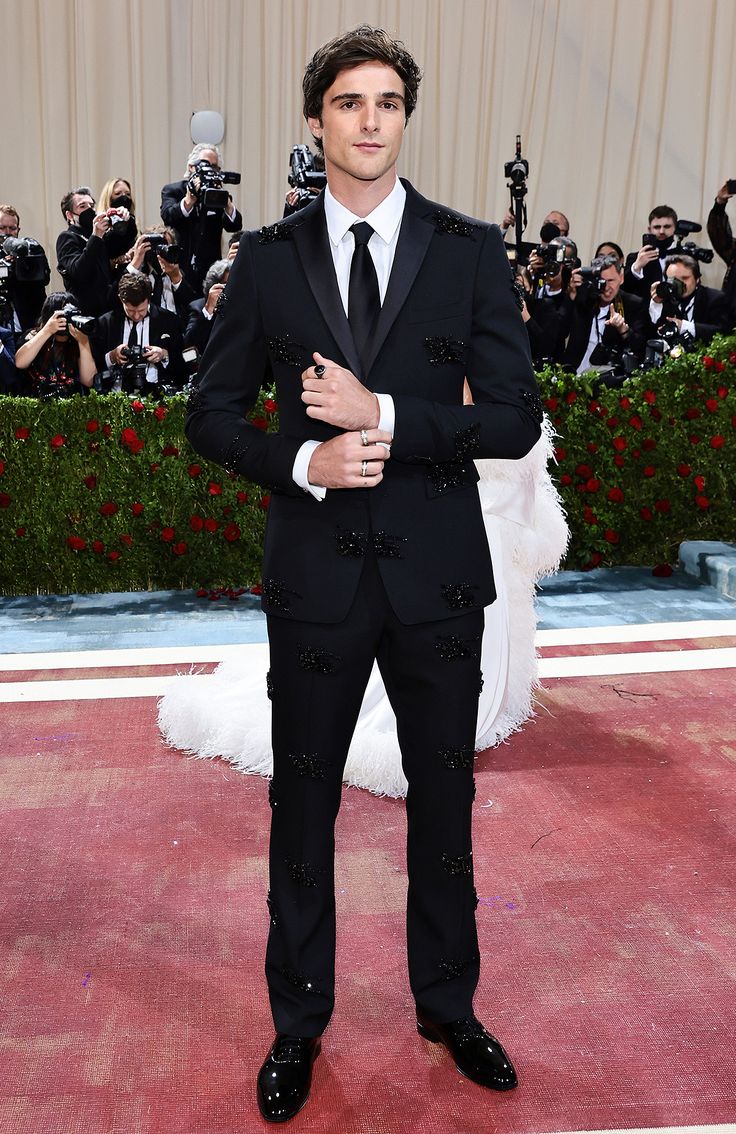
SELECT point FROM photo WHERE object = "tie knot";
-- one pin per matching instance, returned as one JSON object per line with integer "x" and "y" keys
{"x": 362, "y": 232}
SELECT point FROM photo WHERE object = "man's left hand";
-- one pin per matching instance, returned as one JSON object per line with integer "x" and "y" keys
{"x": 338, "y": 397}
{"x": 618, "y": 323}
{"x": 155, "y": 355}
{"x": 676, "y": 321}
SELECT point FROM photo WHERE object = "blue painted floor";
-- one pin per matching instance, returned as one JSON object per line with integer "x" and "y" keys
{"x": 604, "y": 597}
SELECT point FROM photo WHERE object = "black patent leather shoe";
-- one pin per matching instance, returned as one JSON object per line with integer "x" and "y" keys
{"x": 286, "y": 1076}
{"x": 478, "y": 1055}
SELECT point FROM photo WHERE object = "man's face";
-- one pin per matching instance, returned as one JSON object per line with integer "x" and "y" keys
{"x": 662, "y": 227}
{"x": 80, "y": 202}
{"x": 613, "y": 279}
{"x": 8, "y": 225}
{"x": 362, "y": 125}
{"x": 136, "y": 312}
{"x": 681, "y": 272}
{"x": 207, "y": 155}
{"x": 557, "y": 218}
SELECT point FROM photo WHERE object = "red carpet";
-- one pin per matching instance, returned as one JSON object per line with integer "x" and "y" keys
{"x": 133, "y": 920}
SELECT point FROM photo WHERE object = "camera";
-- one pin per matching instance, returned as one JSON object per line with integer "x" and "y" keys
{"x": 670, "y": 290}
{"x": 210, "y": 192}
{"x": 303, "y": 172}
{"x": 171, "y": 253}
{"x": 27, "y": 259}
{"x": 592, "y": 277}
{"x": 83, "y": 323}
{"x": 688, "y": 247}
{"x": 516, "y": 170}
{"x": 614, "y": 365}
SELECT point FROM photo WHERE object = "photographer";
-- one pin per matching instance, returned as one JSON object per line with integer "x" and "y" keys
{"x": 605, "y": 321}
{"x": 646, "y": 267}
{"x": 203, "y": 311}
{"x": 156, "y": 256}
{"x": 681, "y": 305}
{"x": 138, "y": 344}
{"x": 721, "y": 237}
{"x": 24, "y": 275}
{"x": 184, "y": 207}
{"x": 56, "y": 356}
{"x": 82, "y": 251}
{"x": 117, "y": 195}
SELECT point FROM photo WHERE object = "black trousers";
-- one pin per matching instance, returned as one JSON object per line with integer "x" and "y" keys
{"x": 317, "y": 678}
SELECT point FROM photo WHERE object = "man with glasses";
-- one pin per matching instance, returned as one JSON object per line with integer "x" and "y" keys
{"x": 24, "y": 296}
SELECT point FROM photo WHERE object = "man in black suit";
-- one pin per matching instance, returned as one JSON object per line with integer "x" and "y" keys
{"x": 27, "y": 282}
{"x": 369, "y": 308}
{"x": 699, "y": 313}
{"x": 171, "y": 291}
{"x": 82, "y": 252}
{"x": 139, "y": 340}
{"x": 646, "y": 267}
{"x": 199, "y": 228}
{"x": 202, "y": 312}
{"x": 603, "y": 318}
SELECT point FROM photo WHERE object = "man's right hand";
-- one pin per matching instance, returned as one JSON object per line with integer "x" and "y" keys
{"x": 101, "y": 224}
{"x": 723, "y": 195}
{"x": 140, "y": 248}
{"x": 338, "y": 463}
{"x": 117, "y": 358}
{"x": 644, "y": 257}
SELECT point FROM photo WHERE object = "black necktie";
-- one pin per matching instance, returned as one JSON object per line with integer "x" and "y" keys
{"x": 133, "y": 336}
{"x": 363, "y": 297}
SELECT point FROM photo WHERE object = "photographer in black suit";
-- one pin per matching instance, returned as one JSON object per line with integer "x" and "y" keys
{"x": 138, "y": 334}
{"x": 82, "y": 252}
{"x": 604, "y": 320}
{"x": 646, "y": 267}
{"x": 184, "y": 208}
{"x": 157, "y": 256}
{"x": 26, "y": 274}
{"x": 686, "y": 307}
{"x": 202, "y": 311}
{"x": 722, "y": 239}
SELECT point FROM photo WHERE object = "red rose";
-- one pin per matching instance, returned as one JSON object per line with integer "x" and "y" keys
{"x": 619, "y": 444}
{"x": 170, "y": 451}
{"x": 226, "y": 510}
{"x": 708, "y": 361}
{"x": 717, "y": 442}
{"x": 702, "y": 502}
{"x": 565, "y": 479}
{"x": 154, "y": 467}
{"x": 694, "y": 439}
{"x": 194, "y": 470}
{"x": 615, "y": 495}
{"x": 231, "y": 532}
{"x": 722, "y": 391}
{"x": 611, "y": 536}
{"x": 584, "y": 471}
{"x": 619, "y": 460}
{"x": 732, "y": 357}
{"x": 114, "y": 556}
{"x": 256, "y": 589}
{"x": 196, "y": 523}
{"x": 589, "y": 516}
{"x": 107, "y": 430}
{"x": 594, "y": 406}
{"x": 92, "y": 426}
{"x": 596, "y": 558}
{"x": 160, "y": 412}
{"x": 167, "y": 534}
{"x": 242, "y": 498}
{"x": 270, "y": 405}
{"x": 560, "y": 454}
{"x": 636, "y": 453}
{"x": 648, "y": 444}
{"x": 645, "y": 513}
{"x": 20, "y": 532}
{"x": 551, "y": 404}
{"x": 57, "y": 441}
{"x": 649, "y": 470}
{"x": 137, "y": 509}
{"x": 571, "y": 397}
{"x": 650, "y": 397}
{"x": 126, "y": 539}
{"x": 98, "y": 546}
{"x": 692, "y": 413}
{"x": 22, "y": 434}
{"x": 720, "y": 367}
{"x": 625, "y": 403}
{"x": 108, "y": 508}
{"x": 662, "y": 571}
{"x": 662, "y": 506}
{"x": 137, "y": 406}
{"x": 2, "y": 467}
{"x": 179, "y": 548}
{"x": 91, "y": 482}
{"x": 699, "y": 482}
{"x": 201, "y": 593}
{"x": 635, "y": 422}
{"x": 592, "y": 485}
{"x": 655, "y": 414}
{"x": 5, "y": 500}
{"x": 612, "y": 422}
{"x": 684, "y": 470}
{"x": 733, "y": 422}
{"x": 259, "y": 422}
{"x": 592, "y": 447}
{"x": 265, "y": 501}
{"x": 712, "y": 405}
{"x": 214, "y": 488}
{"x": 75, "y": 543}
{"x": 211, "y": 525}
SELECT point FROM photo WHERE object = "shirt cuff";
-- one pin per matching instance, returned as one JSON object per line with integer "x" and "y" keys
{"x": 108, "y": 359}
{"x": 687, "y": 327}
{"x": 206, "y": 313}
{"x": 387, "y": 411}
{"x": 637, "y": 275}
{"x": 655, "y": 311}
{"x": 186, "y": 212}
{"x": 300, "y": 470}
{"x": 134, "y": 271}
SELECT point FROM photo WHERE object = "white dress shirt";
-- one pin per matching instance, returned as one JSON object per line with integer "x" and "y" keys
{"x": 385, "y": 220}
{"x": 597, "y": 327}
{"x": 687, "y": 324}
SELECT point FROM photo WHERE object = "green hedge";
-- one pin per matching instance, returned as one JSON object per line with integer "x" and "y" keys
{"x": 104, "y": 494}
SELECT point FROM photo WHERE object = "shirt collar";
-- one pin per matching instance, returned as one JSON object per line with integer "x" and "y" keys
{"x": 384, "y": 219}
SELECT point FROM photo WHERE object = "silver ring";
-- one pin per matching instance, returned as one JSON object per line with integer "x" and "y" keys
{"x": 364, "y": 437}
{"x": 364, "y": 468}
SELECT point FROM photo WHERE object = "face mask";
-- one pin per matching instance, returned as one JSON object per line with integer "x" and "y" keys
{"x": 86, "y": 219}
{"x": 663, "y": 244}
{"x": 123, "y": 202}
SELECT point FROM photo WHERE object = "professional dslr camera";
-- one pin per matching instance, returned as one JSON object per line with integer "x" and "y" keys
{"x": 614, "y": 365}
{"x": 304, "y": 175}
{"x": 688, "y": 247}
{"x": 670, "y": 343}
{"x": 171, "y": 253}
{"x": 670, "y": 290}
{"x": 592, "y": 278}
{"x": 210, "y": 193}
{"x": 22, "y": 260}
{"x": 83, "y": 323}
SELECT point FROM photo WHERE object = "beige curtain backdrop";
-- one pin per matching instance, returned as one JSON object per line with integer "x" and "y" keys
{"x": 621, "y": 104}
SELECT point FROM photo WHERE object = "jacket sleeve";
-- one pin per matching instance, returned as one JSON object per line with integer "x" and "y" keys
{"x": 719, "y": 233}
{"x": 504, "y": 420}
{"x": 171, "y": 214}
{"x": 80, "y": 265}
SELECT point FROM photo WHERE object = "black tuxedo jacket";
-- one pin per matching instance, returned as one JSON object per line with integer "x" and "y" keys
{"x": 652, "y": 273}
{"x": 164, "y": 330}
{"x": 581, "y": 314}
{"x": 712, "y": 314}
{"x": 84, "y": 266}
{"x": 197, "y": 333}
{"x": 450, "y": 311}
{"x": 200, "y": 234}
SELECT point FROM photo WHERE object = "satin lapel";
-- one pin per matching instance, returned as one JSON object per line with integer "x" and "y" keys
{"x": 312, "y": 245}
{"x": 413, "y": 242}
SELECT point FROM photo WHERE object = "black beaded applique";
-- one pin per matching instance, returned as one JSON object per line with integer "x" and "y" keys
{"x": 316, "y": 660}
{"x": 269, "y": 685}
{"x": 302, "y": 873}
{"x": 277, "y": 594}
{"x": 453, "y": 224}
{"x": 273, "y": 233}
{"x": 352, "y": 545}
{"x": 475, "y": 788}
{"x": 445, "y": 475}
{"x": 457, "y": 758}
{"x": 273, "y": 799}
{"x": 308, "y": 764}
{"x": 450, "y": 647}
{"x": 444, "y": 350}
{"x": 518, "y": 293}
{"x": 387, "y": 546}
{"x": 298, "y": 979}
{"x": 221, "y": 303}
{"x": 236, "y": 450}
{"x": 195, "y": 401}
{"x": 476, "y": 899}
{"x": 481, "y": 682}
{"x": 284, "y": 350}
{"x": 534, "y": 402}
{"x": 467, "y": 442}
{"x": 459, "y": 596}
{"x": 458, "y": 865}
{"x": 271, "y": 910}
{"x": 453, "y": 968}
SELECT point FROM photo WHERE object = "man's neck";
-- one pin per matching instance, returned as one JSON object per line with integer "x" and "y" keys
{"x": 360, "y": 197}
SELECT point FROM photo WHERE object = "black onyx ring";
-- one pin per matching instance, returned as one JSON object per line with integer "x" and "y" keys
{"x": 319, "y": 371}
{"x": 364, "y": 468}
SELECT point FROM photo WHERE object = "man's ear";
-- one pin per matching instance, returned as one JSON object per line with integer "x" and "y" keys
{"x": 315, "y": 127}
